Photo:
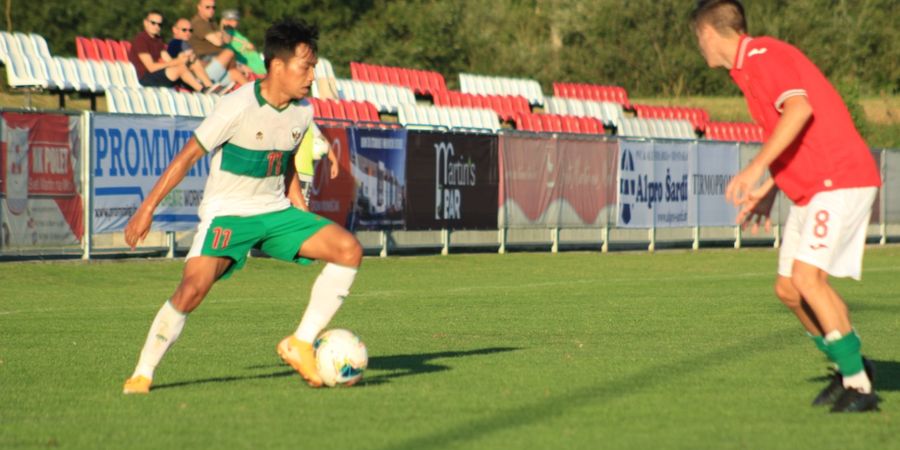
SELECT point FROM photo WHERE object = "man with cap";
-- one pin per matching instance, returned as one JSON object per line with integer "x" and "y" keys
{"x": 245, "y": 52}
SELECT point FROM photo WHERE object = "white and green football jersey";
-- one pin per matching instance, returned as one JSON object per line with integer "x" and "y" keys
{"x": 251, "y": 143}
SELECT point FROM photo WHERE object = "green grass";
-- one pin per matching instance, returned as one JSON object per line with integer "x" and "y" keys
{"x": 526, "y": 350}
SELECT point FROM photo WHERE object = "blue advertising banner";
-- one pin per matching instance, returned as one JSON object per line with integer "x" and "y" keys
{"x": 715, "y": 164}
{"x": 128, "y": 154}
{"x": 379, "y": 168}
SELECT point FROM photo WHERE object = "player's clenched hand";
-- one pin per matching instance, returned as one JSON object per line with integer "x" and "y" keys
{"x": 138, "y": 227}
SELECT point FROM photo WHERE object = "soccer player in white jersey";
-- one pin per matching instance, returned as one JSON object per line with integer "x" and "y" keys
{"x": 252, "y": 135}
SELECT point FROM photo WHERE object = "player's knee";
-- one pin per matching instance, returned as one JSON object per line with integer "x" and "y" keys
{"x": 190, "y": 293}
{"x": 349, "y": 251}
{"x": 788, "y": 295}
{"x": 805, "y": 278}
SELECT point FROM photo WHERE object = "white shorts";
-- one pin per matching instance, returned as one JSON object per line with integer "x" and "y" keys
{"x": 829, "y": 232}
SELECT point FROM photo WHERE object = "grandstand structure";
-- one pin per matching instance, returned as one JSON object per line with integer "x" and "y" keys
{"x": 375, "y": 94}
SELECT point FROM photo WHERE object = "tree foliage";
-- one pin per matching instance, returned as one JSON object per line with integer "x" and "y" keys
{"x": 643, "y": 45}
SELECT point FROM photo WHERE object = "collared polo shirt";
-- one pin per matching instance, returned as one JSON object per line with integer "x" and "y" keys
{"x": 251, "y": 144}
{"x": 829, "y": 153}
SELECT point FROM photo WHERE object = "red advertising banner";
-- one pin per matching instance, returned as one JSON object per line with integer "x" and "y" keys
{"x": 334, "y": 198}
{"x": 556, "y": 182}
{"x": 39, "y": 155}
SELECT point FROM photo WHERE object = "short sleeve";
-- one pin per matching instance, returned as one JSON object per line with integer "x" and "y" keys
{"x": 773, "y": 69}
{"x": 221, "y": 125}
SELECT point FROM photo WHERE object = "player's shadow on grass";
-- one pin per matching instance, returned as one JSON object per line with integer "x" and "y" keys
{"x": 397, "y": 365}
{"x": 284, "y": 373}
{"x": 416, "y": 364}
{"x": 887, "y": 376}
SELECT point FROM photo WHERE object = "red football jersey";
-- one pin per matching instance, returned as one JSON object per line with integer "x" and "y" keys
{"x": 829, "y": 154}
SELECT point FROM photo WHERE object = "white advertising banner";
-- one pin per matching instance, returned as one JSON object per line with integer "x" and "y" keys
{"x": 128, "y": 154}
{"x": 653, "y": 184}
{"x": 675, "y": 184}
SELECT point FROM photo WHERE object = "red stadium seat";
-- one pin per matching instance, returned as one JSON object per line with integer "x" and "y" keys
{"x": 106, "y": 53}
{"x": 88, "y": 48}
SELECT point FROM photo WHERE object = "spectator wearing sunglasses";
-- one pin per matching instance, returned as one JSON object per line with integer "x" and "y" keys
{"x": 181, "y": 34}
{"x": 154, "y": 66}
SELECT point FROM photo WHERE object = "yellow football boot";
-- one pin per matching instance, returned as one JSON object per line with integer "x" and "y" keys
{"x": 137, "y": 385}
{"x": 300, "y": 356}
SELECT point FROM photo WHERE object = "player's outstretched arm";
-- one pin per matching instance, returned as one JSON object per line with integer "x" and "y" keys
{"x": 796, "y": 114}
{"x": 139, "y": 225}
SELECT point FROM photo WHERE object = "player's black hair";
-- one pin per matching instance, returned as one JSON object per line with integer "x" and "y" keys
{"x": 723, "y": 15}
{"x": 283, "y": 37}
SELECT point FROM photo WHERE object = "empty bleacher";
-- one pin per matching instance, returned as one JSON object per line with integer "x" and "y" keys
{"x": 556, "y": 123}
{"x": 387, "y": 98}
{"x": 698, "y": 117}
{"x": 345, "y": 110}
{"x": 422, "y": 82}
{"x": 609, "y": 113}
{"x": 491, "y": 85}
{"x": 734, "y": 131}
{"x": 451, "y": 118}
{"x": 656, "y": 128}
{"x": 595, "y": 92}
{"x": 506, "y": 106}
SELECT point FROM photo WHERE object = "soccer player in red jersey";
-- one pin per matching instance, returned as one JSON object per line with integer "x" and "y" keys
{"x": 818, "y": 159}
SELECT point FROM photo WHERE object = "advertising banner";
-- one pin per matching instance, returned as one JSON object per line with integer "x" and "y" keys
{"x": 556, "y": 182}
{"x": 379, "y": 168}
{"x": 40, "y": 180}
{"x": 334, "y": 198}
{"x": 715, "y": 164}
{"x": 453, "y": 181}
{"x": 653, "y": 184}
{"x": 129, "y": 153}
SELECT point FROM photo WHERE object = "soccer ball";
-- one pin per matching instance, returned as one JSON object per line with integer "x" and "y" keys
{"x": 340, "y": 357}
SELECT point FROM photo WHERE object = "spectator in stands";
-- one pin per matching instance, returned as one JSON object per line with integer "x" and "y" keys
{"x": 181, "y": 34}
{"x": 245, "y": 51}
{"x": 153, "y": 65}
{"x": 817, "y": 157}
{"x": 209, "y": 44}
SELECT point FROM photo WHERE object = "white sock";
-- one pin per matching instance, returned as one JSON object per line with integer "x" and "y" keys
{"x": 860, "y": 382}
{"x": 163, "y": 332}
{"x": 328, "y": 293}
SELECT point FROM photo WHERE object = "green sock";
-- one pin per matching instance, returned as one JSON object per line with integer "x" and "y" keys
{"x": 846, "y": 353}
{"x": 820, "y": 344}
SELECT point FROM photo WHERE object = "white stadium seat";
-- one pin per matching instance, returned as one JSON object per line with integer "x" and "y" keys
{"x": 489, "y": 85}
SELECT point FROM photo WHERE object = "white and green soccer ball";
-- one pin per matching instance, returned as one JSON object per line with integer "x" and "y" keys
{"x": 341, "y": 357}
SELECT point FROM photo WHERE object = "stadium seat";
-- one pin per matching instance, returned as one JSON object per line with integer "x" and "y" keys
{"x": 490, "y": 85}
{"x": 126, "y": 47}
{"x": 594, "y": 92}
{"x": 151, "y": 101}
{"x": 19, "y": 71}
{"x": 607, "y": 112}
{"x": 86, "y": 75}
{"x": 86, "y": 48}
{"x": 734, "y": 131}
{"x": 101, "y": 74}
{"x": 117, "y": 101}
{"x": 103, "y": 49}
{"x": 419, "y": 81}
{"x": 166, "y": 101}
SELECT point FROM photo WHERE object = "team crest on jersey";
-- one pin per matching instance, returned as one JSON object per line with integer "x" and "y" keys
{"x": 259, "y": 135}
{"x": 296, "y": 132}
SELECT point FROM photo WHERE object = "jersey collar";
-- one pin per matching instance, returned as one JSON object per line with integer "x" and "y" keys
{"x": 739, "y": 57}
{"x": 257, "y": 90}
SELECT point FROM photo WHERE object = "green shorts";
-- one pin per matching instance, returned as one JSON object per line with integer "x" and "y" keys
{"x": 279, "y": 234}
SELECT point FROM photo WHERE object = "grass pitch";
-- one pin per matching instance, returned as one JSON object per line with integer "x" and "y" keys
{"x": 535, "y": 351}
